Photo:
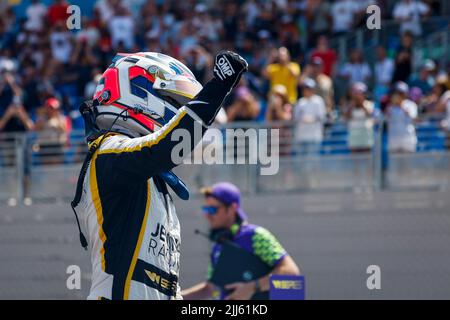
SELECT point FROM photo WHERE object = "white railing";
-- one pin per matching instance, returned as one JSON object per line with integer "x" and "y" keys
{"x": 27, "y": 171}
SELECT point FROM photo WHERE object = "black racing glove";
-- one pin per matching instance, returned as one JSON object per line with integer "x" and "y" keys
{"x": 228, "y": 68}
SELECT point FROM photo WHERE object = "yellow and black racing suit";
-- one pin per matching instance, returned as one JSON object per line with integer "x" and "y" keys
{"x": 134, "y": 232}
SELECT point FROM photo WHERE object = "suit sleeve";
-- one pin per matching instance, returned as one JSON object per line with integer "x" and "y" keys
{"x": 147, "y": 156}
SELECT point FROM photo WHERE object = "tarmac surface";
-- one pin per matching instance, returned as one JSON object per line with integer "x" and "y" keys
{"x": 333, "y": 237}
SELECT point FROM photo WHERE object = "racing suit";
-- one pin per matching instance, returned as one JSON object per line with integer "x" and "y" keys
{"x": 127, "y": 211}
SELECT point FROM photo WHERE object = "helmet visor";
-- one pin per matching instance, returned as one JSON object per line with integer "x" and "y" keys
{"x": 178, "y": 87}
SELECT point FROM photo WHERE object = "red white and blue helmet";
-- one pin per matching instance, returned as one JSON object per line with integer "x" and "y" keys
{"x": 151, "y": 86}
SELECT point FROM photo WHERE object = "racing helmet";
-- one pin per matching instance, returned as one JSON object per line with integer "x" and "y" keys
{"x": 142, "y": 91}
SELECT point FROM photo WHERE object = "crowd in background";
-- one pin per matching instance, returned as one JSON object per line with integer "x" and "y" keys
{"x": 47, "y": 70}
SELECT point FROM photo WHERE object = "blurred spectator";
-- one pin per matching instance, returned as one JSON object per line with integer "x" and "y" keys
{"x": 252, "y": 10}
{"x": 344, "y": 15}
{"x": 432, "y": 103}
{"x": 278, "y": 108}
{"x": 245, "y": 107}
{"x": 261, "y": 55}
{"x": 199, "y": 62}
{"x": 61, "y": 43}
{"x": 314, "y": 70}
{"x": 7, "y": 61}
{"x": 281, "y": 70}
{"x": 359, "y": 115}
{"x": 356, "y": 69}
{"x": 36, "y": 13}
{"x": 57, "y": 12}
{"x": 186, "y": 37}
{"x": 15, "y": 119}
{"x": 384, "y": 70}
{"x": 90, "y": 32}
{"x": 14, "y": 116}
{"x": 208, "y": 27}
{"x": 122, "y": 27}
{"x": 409, "y": 13}
{"x": 328, "y": 55}
{"x": 106, "y": 8}
{"x": 309, "y": 115}
{"x": 8, "y": 26}
{"x": 89, "y": 89}
{"x": 416, "y": 95}
{"x": 444, "y": 107}
{"x": 152, "y": 42}
{"x": 401, "y": 114}
{"x": 317, "y": 13}
{"x": 289, "y": 36}
{"x": 52, "y": 127}
{"x": 230, "y": 19}
{"x": 425, "y": 80}
{"x": 30, "y": 87}
{"x": 403, "y": 59}
{"x": 83, "y": 60}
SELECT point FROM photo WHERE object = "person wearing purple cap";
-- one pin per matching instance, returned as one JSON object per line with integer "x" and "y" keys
{"x": 228, "y": 221}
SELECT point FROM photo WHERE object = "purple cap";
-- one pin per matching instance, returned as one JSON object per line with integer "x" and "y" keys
{"x": 227, "y": 193}
{"x": 242, "y": 91}
{"x": 415, "y": 94}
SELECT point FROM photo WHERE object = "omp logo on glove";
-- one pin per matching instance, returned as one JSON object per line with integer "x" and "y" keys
{"x": 223, "y": 68}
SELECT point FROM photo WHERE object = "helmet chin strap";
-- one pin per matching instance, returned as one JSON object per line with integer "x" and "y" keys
{"x": 120, "y": 129}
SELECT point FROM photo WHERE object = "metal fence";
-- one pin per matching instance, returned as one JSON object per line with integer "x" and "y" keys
{"x": 30, "y": 172}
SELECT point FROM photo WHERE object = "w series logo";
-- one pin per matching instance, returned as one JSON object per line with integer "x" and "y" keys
{"x": 224, "y": 70}
{"x": 287, "y": 287}
{"x": 287, "y": 284}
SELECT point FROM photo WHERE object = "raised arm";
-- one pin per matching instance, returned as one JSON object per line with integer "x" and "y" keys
{"x": 154, "y": 153}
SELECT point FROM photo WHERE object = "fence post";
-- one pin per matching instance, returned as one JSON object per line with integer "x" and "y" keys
{"x": 417, "y": 58}
{"x": 445, "y": 40}
{"x": 342, "y": 49}
{"x": 252, "y": 176}
{"x": 19, "y": 147}
{"x": 378, "y": 156}
{"x": 360, "y": 39}
{"x": 377, "y": 37}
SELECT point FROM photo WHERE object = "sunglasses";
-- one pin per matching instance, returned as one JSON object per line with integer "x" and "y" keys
{"x": 211, "y": 210}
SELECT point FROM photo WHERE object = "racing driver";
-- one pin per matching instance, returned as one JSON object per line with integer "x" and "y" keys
{"x": 140, "y": 102}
